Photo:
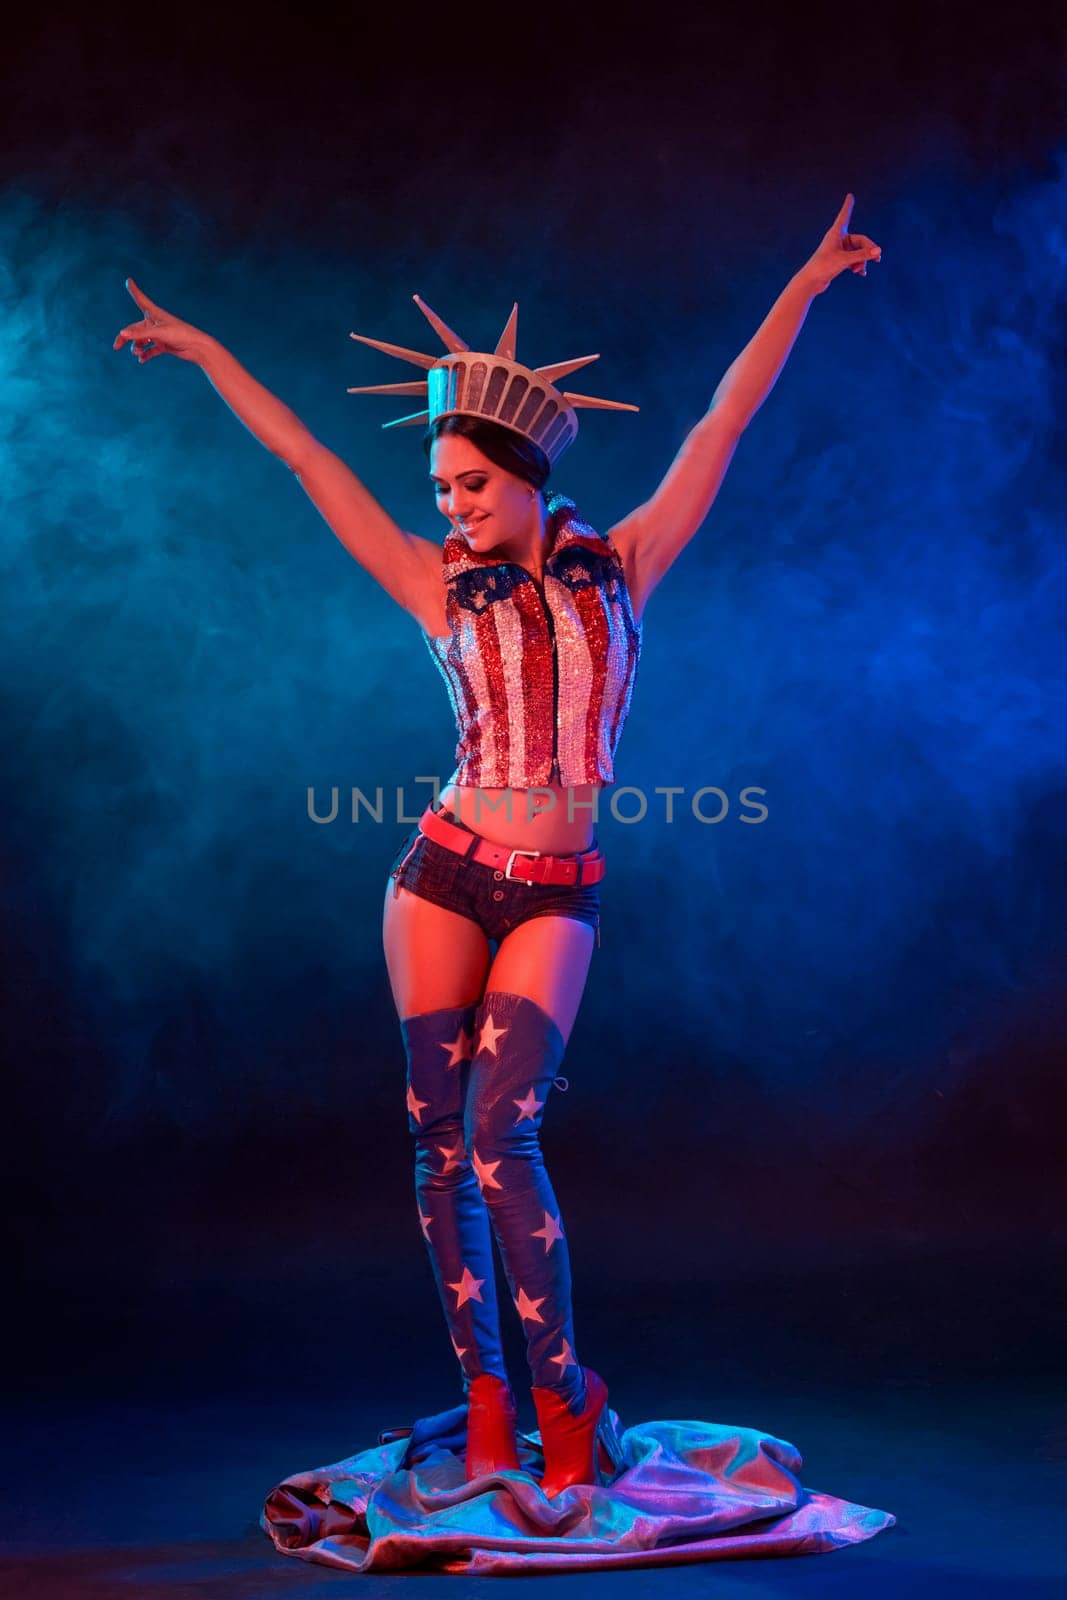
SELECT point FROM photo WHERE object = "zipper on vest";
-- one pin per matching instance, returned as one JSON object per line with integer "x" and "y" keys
{"x": 555, "y": 680}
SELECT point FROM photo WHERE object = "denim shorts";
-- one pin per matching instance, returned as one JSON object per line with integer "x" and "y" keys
{"x": 497, "y": 904}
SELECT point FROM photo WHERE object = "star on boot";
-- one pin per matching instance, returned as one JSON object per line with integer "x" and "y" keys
{"x": 549, "y": 1233}
{"x": 489, "y": 1035}
{"x": 453, "y": 1154}
{"x": 459, "y": 1048}
{"x": 468, "y": 1288}
{"x": 527, "y": 1308}
{"x": 484, "y": 1171}
{"x": 415, "y": 1106}
{"x": 529, "y": 1106}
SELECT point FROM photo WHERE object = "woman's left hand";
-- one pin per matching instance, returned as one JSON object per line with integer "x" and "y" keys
{"x": 840, "y": 249}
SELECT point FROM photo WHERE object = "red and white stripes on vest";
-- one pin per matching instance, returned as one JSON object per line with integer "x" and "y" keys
{"x": 540, "y": 687}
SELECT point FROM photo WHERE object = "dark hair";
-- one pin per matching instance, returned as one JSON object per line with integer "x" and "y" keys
{"x": 505, "y": 446}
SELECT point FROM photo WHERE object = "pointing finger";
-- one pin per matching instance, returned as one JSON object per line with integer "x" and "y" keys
{"x": 139, "y": 295}
{"x": 845, "y": 213}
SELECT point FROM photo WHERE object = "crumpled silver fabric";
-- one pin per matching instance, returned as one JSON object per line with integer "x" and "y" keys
{"x": 680, "y": 1491}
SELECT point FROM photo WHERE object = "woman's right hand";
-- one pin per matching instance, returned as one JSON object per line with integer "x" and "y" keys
{"x": 160, "y": 334}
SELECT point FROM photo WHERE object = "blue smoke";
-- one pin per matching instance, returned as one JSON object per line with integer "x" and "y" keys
{"x": 868, "y": 629}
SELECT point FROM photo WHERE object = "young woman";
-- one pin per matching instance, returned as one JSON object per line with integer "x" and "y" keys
{"x": 492, "y": 908}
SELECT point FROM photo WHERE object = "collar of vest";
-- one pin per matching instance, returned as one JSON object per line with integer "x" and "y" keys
{"x": 568, "y": 527}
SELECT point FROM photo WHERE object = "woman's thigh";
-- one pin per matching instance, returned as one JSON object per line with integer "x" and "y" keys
{"x": 435, "y": 957}
{"x": 546, "y": 959}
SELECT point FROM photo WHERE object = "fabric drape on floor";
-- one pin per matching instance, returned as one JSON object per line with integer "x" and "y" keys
{"x": 680, "y": 1491}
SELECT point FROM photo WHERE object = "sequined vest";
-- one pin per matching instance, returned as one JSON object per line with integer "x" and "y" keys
{"x": 540, "y": 687}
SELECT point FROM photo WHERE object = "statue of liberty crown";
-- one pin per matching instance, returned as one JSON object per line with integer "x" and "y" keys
{"x": 493, "y": 385}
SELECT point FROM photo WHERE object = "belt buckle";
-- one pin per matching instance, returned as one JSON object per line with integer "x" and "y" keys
{"x": 511, "y": 859}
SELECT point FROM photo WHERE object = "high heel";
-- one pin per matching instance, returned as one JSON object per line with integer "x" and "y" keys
{"x": 490, "y": 1427}
{"x": 574, "y": 1446}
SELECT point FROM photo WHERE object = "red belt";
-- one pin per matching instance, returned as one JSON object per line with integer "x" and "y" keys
{"x": 588, "y": 866}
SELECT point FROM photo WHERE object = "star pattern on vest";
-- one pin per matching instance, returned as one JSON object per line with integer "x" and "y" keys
{"x": 459, "y": 1048}
{"x": 424, "y": 1224}
{"x": 479, "y": 587}
{"x": 550, "y": 1232}
{"x": 489, "y": 1035}
{"x": 468, "y": 1288}
{"x": 415, "y": 1106}
{"x": 527, "y": 1308}
{"x": 529, "y": 1106}
{"x": 579, "y": 567}
{"x": 460, "y": 1349}
{"x": 484, "y": 1172}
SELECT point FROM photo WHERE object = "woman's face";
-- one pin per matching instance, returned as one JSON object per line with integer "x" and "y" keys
{"x": 484, "y": 503}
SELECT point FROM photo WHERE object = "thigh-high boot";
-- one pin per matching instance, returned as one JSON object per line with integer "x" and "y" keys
{"x": 455, "y": 1225}
{"x": 517, "y": 1051}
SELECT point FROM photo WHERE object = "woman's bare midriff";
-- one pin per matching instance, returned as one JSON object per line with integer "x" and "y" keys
{"x": 531, "y": 821}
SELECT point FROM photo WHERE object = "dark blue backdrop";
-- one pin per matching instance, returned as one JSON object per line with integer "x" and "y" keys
{"x": 830, "y": 1041}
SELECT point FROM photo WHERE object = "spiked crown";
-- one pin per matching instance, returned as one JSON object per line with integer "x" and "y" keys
{"x": 491, "y": 385}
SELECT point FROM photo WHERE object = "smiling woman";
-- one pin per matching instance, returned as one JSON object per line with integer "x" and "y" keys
{"x": 479, "y": 475}
{"x": 533, "y": 619}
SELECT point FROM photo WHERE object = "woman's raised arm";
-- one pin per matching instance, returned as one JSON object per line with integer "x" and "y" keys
{"x": 402, "y": 563}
